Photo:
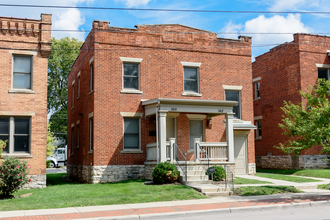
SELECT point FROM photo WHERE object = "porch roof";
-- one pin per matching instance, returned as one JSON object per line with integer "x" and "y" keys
{"x": 210, "y": 107}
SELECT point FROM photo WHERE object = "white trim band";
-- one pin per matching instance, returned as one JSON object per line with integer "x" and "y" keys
{"x": 130, "y": 59}
{"x": 191, "y": 64}
{"x": 226, "y": 87}
{"x": 131, "y": 114}
{"x": 256, "y": 79}
{"x": 322, "y": 65}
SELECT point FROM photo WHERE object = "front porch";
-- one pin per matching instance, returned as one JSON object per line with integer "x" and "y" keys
{"x": 193, "y": 144}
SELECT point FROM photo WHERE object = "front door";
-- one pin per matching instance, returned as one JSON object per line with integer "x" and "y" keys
{"x": 240, "y": 153}
{"x": 195, "y": 131}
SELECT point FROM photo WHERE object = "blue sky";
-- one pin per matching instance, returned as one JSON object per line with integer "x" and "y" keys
{"x": 222, "y": 23}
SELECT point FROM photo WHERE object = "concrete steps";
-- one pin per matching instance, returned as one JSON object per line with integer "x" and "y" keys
{"x": 212, "y": 190}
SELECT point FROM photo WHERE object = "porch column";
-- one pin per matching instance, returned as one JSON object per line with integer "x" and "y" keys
{"x": 162, "y": 135}
{"x": 230, "y": 137}
{"x": 196, "y": 147}
{"x": 172, "y": 142}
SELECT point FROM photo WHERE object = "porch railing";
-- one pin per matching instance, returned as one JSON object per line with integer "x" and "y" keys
{"x": 229, "y": 181}
{"x": 180, "y": 159}
{"x": 213, "y": 150}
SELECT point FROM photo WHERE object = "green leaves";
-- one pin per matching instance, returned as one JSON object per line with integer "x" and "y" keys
{"x": 308, "y": 124}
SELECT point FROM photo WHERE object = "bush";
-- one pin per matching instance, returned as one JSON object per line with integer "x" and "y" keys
{"x": 48, "y": 162}
{"x": 219, "y": 173}
{"x": 13, "y": 174}
{"x": 2, "y": 145}
{"x": 165, "y": 173}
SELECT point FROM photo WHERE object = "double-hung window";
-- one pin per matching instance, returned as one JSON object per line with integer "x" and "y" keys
{"x": 258, "y": 131}
{"x": 131, "y": 133}
{"x": 257, "y": 90}
{"x": 191, "y": 79}
{"x": 22, "y": 72}
{"x": 17, "y": 131}
{"x": 323, "y": 73}
{"x": 131, "y": 75}
{"x": 232, "y": 95}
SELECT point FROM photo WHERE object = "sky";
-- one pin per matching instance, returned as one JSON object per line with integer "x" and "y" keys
{"x": 227, "y": 25}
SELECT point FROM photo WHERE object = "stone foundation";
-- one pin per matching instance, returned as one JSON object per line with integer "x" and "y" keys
{"x": 37, "y": 182}
{"x": 293, "y": 162}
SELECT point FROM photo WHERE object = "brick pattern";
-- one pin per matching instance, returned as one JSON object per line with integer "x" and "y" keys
{"x": 285, "y": 70}
{"x": 12, "y": 104}
{"x": 162, "y": 48}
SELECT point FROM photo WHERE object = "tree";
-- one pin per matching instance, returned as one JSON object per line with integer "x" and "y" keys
{"x": 64, "y": 53}
{"x": 308, "y": 125}
{"x": 50, "y": 141}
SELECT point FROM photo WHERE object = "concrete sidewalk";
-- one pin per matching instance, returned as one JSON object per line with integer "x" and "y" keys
{"x": 311, "y": 197}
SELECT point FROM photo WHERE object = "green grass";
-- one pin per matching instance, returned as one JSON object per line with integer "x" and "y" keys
{"x": 324, "y": 186}
{"x": 240, "y": 181}
{"x": 287, "y": 178}
{"x": 319, "y": 173}
{"x": 61, "y": 194}
{"x": 264, "y": 190}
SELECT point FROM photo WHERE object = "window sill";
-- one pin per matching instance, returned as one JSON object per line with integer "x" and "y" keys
{"x": 131, "y": 91}
{"x": 90, "y": 152}
{"x": 191, "y": 94}
{"x": 256, "y": 99}
{"x": 258, "y": 138}
{"x": 18, "y": 155}
{"x": 131, "y": 151}
{"x": 90, "y": 92}
{"x": 23, "y": 91}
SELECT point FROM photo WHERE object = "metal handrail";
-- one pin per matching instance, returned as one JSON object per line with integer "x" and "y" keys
{"x": 208, "y": 159}
{"x": 227, "y": 182}
{"x": 176, "y": 159}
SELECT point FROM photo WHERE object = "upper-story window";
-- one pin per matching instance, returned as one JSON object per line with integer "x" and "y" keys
{"x": 323, "y": 73}
{"x": 22, "y": 72}
{"x": 235, "y": 96}
{"x": 257, "y": 90}
{"x": 91, "y": 82}
{"x": 131, "y": 75}
{"x": 191, "y": 85}
{"x": 78, "y": 92}
{"x": 73, "y": 93}
{"x": 191, "y": 80}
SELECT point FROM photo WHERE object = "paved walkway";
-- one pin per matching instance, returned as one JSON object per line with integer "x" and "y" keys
{"x": 311, "y": 197}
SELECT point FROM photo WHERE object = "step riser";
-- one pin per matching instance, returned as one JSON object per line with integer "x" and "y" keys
{"x": 195, "y": 178}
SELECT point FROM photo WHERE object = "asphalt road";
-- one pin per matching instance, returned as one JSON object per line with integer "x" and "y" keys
{"x": 56, "y": 170}
{"x": 306, "y": 213}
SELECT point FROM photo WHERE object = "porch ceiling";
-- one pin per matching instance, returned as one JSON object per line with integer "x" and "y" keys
{"x": 210, "y": 107}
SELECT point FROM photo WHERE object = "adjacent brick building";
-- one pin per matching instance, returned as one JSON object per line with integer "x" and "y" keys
{"x": 133, "y": 94}
{"x": 24, "y": 49}
{"x": 279, "y": 75}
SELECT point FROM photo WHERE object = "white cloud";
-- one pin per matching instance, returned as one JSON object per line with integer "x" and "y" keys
{"x": 62, "y": 19}
{"x": 275, "y": 24}
{"x": 284, "y": 5}
{"x": 134, "y": 3}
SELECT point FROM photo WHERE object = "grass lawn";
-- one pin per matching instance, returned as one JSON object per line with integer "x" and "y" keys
{"x": 264, "y": 190}
{"x": 287, "y": 178}
{"x": 324, "y": 186}
{"x": 61, "y": 194}
{"x": 239, "y": 181}
{"x": 319, "y": 173}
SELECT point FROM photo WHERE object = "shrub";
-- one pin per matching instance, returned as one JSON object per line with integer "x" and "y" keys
{"x": 2, "y": 145}
{"x": 13, "y": 174}
{"x": 48, "y": 163}
{"x": 219, "y": 173}
{"x": 165, "y": 173}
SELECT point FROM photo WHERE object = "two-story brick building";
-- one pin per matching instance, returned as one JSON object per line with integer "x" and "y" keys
{"x": 154, "y": 93}
{"x": 279, "y": 75}
{"x": 24, "y": 50}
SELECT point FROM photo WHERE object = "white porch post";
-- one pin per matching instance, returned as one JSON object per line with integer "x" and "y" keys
{"x": 196, "y": 141}
{"x": 172, "y": 141}
{"x": 230, "y": 137}
{"x": 162, "y": 135}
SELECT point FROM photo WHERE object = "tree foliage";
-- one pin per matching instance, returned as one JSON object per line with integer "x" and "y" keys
{"x": 50, "y": 141}
{"x": 64, "y": 53}
{"x": 308, "y": 125}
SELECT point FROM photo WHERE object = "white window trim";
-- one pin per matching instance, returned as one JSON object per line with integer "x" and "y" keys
{"x": 131, "y": 115}
{"x": 239, "y": 97}
{"x": 324, "y": 66}
{"x": 131, "y": 60}
{"x": 228, "y": 87}
{"x": 11, "y": 137}
{"x": 27, "y": 54}
{"x": 191, "y": 65}
{"x": 257, "y": 79}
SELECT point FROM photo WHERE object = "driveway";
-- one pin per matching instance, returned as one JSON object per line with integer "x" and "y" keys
{"x": 56, "y": 170}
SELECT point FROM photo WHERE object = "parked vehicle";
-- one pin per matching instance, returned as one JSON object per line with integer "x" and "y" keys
{"x": 59, "y": 158}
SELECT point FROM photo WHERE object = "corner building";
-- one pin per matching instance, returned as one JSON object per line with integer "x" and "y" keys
{"x": 25, "y": 46}
{"x": 156, "y": 93}
{"x": 279, "y": 75}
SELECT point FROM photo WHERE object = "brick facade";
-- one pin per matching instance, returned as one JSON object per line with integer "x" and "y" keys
{"x": 284, "y": 71}
{"x": 26, "y": 38}
{"x": 162, "y": 48}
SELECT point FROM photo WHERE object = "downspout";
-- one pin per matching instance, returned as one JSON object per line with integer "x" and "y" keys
{"x": 157, "y": 135}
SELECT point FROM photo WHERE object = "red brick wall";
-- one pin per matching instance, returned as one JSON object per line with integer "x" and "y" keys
{"x": 285, "y": 70}
{"x": 224, "y": 62}
{"x": 18, "y": 104}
